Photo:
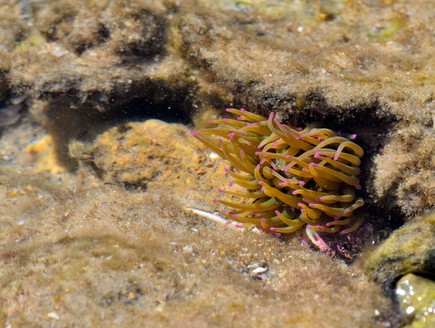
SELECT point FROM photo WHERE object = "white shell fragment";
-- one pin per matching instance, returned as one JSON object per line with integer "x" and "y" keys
{"x": 259, "y": 270}
{"x": 217, "y": 219}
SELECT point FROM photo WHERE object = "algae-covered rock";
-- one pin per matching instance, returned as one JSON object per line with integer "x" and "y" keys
{"x": 97, "y": 54}
{"x": 95, "y": 254}
{"x": 154, "y": 154}
{"x": 362, "y": 67}
{"x": 410, "y": 248}
{"x": 139, "y": 153}
{"x": 416, "y": 297}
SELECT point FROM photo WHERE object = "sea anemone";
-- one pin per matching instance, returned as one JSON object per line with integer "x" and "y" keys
{"x": 293, "y": 177}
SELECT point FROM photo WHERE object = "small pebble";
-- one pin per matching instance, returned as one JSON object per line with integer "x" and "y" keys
{"x": 213, "y": 156}
{"x": 53, "y": 315}
{"x": 187, "y": 249}
{"x": 259, "y": 270}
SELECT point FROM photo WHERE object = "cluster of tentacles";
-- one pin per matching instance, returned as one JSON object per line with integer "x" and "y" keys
{"x": 293, "y": 177}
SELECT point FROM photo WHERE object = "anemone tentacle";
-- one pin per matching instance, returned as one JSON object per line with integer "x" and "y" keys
{"x": 294, "y": 177}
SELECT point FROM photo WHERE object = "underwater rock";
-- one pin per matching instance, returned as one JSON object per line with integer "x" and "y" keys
{"x": 305, "y": 61}
{"x": 9, "y": 115}
{"x": 154, "y": 155}
{"x": 416, "y": 297}
{"x": 302, "y": 60}
{"x": 410, "y": 248}
{"x": 404, "y": 171}
{"x": 157, "y": 149}
{"x": 98, "y": 55}
{"x": 95, "y": 254}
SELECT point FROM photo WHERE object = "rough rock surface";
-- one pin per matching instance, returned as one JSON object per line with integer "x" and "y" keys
{"x": 410, "y": 248}
{"x": 84, "y": 69}
{"x": 416, "y": 297}
{"x": 363, "y": 67}
{"x": 82, "y": 251}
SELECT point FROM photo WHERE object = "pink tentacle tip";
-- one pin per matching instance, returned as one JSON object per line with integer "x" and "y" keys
{"x": 228, "y": 109}
{"x": 310, "y": 205}
{"x": 231, "y": 135}
{"x": 243, "y": 110}
{"x": 277, "y": 212}
{"x": 321, "y": 139}
{"x": 300, "y": 204}
{"x": 226, "y": 169}
{"x": 353, "y": 136}
{"x": 299, "y": 128}
{"x": 250, "y": 123}
{"x": 272, "y": 229}
{"x": 275, "y": 143}
{"x": 301, "y": 183}
{"x": 317, "y": 155}
{"x": 193, "y": 132}
{"x": 215, "y": 201}
{"x": 304, "y": 169}
{"x": 260, "y": 183}
{"x": 262, "y": 189}
{"x": 231, "y": 184}
{"x": 282, "y": 184}
{"x": 212, "y": 121}
{"x": 319, "y": 199}
{"x": 263, "y": 220}
{"x": 239, "y": 118}
{"x": 221, "y": 191}
{"x": 295, "y": 192}
{"x": 271, "y": 115}
{"x": 313, "y": 164}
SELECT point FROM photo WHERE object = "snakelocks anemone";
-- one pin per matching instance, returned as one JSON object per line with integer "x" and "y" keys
{"x": 294, "y": 178}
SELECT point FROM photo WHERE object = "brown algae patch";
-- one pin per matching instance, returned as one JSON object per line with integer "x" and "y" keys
{"x": 114, "y": 255}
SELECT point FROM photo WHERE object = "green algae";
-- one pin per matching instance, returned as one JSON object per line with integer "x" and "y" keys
{"x": 410, "y": 248}
{"x": 416, "y": 296}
